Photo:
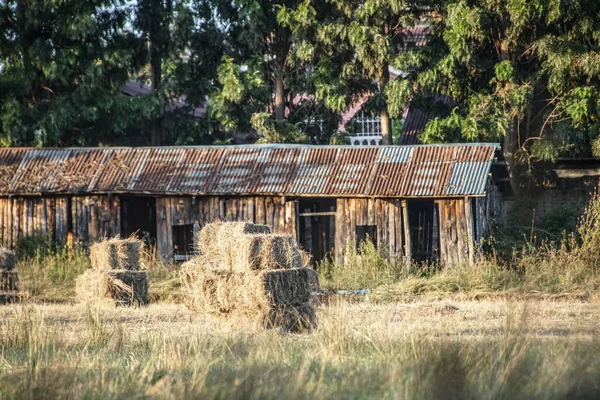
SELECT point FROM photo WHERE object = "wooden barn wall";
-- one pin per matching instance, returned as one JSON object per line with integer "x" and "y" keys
{"x": 456, "y": 231}
{"x": 276, "y": 212}
{"x": 92, "y": 218}
{"x": 385, "y": 214}
{"x": 27, "y": 216}
{"x": 488, "y": 211}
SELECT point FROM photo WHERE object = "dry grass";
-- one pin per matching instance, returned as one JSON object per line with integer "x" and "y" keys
{"x": 426, "y": 350}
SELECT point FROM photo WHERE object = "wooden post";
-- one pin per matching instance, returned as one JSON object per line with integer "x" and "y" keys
{"x": 469, "y": 230}
{"x": 406, "y": 226}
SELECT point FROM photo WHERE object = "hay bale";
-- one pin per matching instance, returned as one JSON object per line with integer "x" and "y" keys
{"x": 11, "y": 297}
{"x": 297, "y": 319}
{"x": 9, "y": 281}
{"x": 122, "y": 287}
{"x": 225, "y": 232}
{"x": 8, "y": 259}
{"x": 221, "y": 291}
{"x": 313, "y": 280}
{"x": 117, "y": 254}
{"x": 255, "y": 252}
{"x": 286, "y": 286}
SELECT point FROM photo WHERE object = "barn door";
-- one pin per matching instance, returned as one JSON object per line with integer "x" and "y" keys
{"x": 424, "y": 230}
{"x": 316, "y": 219}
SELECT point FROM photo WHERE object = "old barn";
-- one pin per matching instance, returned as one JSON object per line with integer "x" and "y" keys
{"x": 430, "y": 202}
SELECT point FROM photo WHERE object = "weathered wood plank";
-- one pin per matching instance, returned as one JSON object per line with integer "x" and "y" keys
{"x": 406, "y": 228}
{"x": 469, "y": 230}
{"x": 340, "y": 224}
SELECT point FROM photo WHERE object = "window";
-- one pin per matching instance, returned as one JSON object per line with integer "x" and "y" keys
{"x": 364, "y": 232}
{"x": 183, "y": 240}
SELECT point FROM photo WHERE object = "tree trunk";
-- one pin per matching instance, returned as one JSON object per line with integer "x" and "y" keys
{"x": 510, "y": 147}
{"x": 156, "y": 74}
{"x": 279, "y": 93}
{"x": 384, "y": 116}
{"x": 386, "y": 127}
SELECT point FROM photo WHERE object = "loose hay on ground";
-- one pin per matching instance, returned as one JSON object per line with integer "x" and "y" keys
{"x": 117, "y": 254}
{"x": 8, "y": 259}
{"x": 122, "y": 287}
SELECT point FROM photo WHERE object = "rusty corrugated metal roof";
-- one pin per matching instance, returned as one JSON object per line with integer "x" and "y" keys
{"x": 450, "y": 170}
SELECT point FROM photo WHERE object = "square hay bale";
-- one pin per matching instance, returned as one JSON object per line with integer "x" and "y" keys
{"x": 313, "y": 280}
{"x": 286, "y": 286}
{"x": 9, "y": 281}
{"x": 225, "y": 232}
{"x": 8, "y": 259}
{"x": 269, "y": 298}
{"x": 117, "y": 254}
{"x": 11, "y": 297}
{"x": 255, "y": 252}
{"x": 122, "y": 287}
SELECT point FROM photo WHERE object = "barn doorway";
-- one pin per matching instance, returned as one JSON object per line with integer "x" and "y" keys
{"x": 424, "y": 230}
{"x": 138, "y": 217}
{"x": 317, "y": 227}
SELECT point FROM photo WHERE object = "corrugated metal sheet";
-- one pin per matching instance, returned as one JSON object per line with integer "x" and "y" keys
{"x": 384, "y": 171}
{"x": 416, "y": 119}
{"x": 10, "y": 159}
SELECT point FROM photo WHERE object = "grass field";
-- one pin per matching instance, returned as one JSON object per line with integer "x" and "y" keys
{"x": 436, "y": 349}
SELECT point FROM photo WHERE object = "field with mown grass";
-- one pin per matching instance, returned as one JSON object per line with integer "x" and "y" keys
{"x": 518, "y": 326}
{"x": 428, "y": 349}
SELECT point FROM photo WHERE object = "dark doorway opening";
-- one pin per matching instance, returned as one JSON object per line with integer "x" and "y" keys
{"x": 317, "y": 227}
{"x": 138, "y": 217}
{"x": 183, "y": 241}
{"x": 424, "y": 230}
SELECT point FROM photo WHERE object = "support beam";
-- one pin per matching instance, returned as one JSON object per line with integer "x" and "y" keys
{"x": 406, "y": 229}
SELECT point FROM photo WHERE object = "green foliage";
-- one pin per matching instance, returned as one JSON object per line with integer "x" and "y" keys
{"x": 241, "y": 95}
{"x": 524, "y": 71}
{"x": 272, "y": 131}
{"x": 37, "y": 245}
{"x": 63, "y": 64}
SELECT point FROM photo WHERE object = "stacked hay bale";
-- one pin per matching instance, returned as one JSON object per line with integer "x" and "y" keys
{"x": 116, "y": 273}
{"x": 9, "y": 278}
{"x": 246, "y": 270}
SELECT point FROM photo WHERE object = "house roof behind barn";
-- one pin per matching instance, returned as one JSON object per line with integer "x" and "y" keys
{"x": 450, "y": 170}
